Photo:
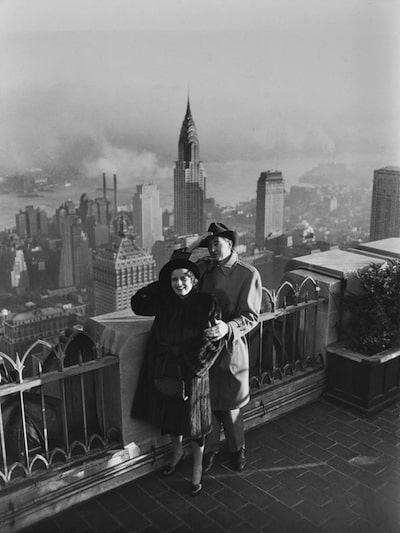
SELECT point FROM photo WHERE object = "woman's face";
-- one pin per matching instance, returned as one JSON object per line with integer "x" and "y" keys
{"x": 182, "y": 281}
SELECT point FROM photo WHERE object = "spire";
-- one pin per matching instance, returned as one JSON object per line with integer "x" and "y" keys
{"x": 188, "y": 135}
{"x": 188, "y": 111}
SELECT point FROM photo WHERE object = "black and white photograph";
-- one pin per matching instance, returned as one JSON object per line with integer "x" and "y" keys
{"x": 199, "y": 266}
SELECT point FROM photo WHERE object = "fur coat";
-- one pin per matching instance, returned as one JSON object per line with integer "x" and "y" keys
{"x": 176, "y": 347}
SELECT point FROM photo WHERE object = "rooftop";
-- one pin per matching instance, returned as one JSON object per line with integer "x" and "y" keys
{"x": 390, "y": 246}
{"x": 38, "y": 314}
{"x": 389, "y": 169}
{"x": 318, "y": 469}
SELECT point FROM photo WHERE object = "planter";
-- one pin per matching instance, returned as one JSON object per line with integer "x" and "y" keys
{"x": 366, "y": 383}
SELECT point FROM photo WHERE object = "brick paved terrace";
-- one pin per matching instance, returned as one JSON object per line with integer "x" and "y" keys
{"x": 320, "y": 468}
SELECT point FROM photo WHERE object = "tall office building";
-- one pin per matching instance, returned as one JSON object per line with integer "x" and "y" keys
{"x": 43, "y": 223}
{"x": 385, "y": 209}
{"x": 31, "y": 223}
{"x": 21, "y": 225}
{"x": 270, "y": 204}
{"x": 19, "y": 273}
{"x": 118, "y": 272}
{"x": 67, "y": 208}
{"x": 102, "y": 211}
{"x": 65, "y": 220}
{"x": 76, "y": 256}
{"x": 147, "y": 216}
{"x": 189, "y": 181}
{"x": 81, "y": 255}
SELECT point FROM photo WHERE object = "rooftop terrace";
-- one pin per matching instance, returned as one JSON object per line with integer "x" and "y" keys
{"x": 319, "y": 469}
{"x": 73, "y": 460}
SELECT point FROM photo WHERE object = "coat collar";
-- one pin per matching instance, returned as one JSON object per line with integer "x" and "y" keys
{"x": 227, "y": 267}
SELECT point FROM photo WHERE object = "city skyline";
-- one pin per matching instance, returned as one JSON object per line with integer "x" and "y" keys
{"x": 275, "y": 86}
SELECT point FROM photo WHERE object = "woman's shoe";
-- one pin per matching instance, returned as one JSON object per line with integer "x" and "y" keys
{"x": 170, "y": 469}
{"x": 195, "y": 489}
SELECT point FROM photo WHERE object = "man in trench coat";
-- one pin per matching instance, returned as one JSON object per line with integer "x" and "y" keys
{"x": 237, "y": 288}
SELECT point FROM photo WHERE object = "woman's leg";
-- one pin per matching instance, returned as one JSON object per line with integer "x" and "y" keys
{"x": 177, "y": 455}
{"x": 197, "y": 451}
{"x": 177, "y": 448}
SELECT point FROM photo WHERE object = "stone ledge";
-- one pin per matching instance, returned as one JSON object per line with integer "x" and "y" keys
{"x": 25, "y": 503}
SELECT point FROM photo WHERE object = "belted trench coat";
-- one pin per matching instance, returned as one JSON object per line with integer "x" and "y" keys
{"x": 238, "y": 291}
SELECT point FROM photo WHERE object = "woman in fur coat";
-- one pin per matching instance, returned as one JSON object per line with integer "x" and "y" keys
{"x": 177, "y": 349}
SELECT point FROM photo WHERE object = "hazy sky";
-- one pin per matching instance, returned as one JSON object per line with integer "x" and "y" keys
{"x": 102, "y": 84}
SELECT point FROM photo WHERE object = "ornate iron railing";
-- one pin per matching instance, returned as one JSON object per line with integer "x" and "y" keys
{"x": 285, "y": 341}
{"x": 53, "y": 410}
{"x": 52, "y": 406}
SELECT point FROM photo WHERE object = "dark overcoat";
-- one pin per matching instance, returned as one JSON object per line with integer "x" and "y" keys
{"x": 176, "y": 346}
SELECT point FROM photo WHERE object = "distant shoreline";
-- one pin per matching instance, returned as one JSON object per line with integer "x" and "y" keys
{"x": 234, "y": 182}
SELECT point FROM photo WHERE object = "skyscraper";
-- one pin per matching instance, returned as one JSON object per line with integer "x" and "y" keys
{"x": 189, "y": 180}
{"x": 385, "y": 209}
{"x": 118, "y": 272}
{"x": 147, "y": 215}
{"x": 21, "y": 225}
{"x": 31, "y": 223}
{"x": 269, "y": 208}
{"x": 19, "y": 273}
{"x": 76, "y": 256}
{"x": 67, "y": 208}
{"x": 102, "y": 211}
{"x": 65, "y": 220}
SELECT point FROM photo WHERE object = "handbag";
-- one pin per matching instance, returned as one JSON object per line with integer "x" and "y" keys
{"x": 174, "y": 387}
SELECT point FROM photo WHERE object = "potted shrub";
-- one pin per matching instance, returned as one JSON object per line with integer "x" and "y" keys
{"x": 364, "y": 368}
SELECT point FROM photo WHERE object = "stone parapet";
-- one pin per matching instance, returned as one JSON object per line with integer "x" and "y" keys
{"x": 125, "y": 335}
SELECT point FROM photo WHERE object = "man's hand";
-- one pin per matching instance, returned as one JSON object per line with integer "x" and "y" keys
{"x": 195, "y": 244}
{"x": 218, "y": 331}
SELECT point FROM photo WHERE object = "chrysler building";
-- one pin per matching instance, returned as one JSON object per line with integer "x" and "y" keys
{"x": 189, "y": 181}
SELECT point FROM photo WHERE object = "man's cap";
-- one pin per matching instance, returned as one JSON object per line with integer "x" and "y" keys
{"x": 219, "y": 230}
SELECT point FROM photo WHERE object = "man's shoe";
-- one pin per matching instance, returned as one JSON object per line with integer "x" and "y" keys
{"x": 239, "y": 460}
{"x": 208, "y": 461}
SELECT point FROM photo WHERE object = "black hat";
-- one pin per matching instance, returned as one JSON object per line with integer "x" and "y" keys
{"x": 219, "y": 230}
{"x": 168, "y": 268}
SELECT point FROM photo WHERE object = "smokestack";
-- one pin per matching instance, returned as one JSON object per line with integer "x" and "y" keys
{"x": 104, "y": 186}
{"x": 115, "y": 196}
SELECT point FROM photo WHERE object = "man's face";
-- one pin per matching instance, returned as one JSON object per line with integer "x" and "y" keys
{"x": 219, "y": 248}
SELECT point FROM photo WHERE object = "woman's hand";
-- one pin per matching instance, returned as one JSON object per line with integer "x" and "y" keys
{"x": 218, "y": 331}
{"x": 195, "y": 244}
